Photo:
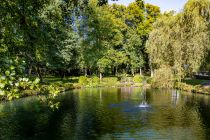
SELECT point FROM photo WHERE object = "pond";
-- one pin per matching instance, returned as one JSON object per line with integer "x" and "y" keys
{"x": 109, "y": 113}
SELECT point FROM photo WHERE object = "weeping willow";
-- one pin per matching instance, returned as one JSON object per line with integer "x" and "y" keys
{"x": 182, "y": 41}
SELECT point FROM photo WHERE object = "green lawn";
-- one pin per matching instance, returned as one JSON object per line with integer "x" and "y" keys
{"x": 195, "y": 82}
{"x": 53, "y": 79}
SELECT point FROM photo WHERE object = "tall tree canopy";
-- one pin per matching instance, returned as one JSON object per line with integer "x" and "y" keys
{"x": 181, "y": 41}
{"x": 76, "y": 35}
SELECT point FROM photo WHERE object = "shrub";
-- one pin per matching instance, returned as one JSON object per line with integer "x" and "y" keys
{"x": 184, "y": 86}
{"x": 95, "y": 80}
{"x": 68, "y": 86}
{"x": 163, "y": 78}
{"x": 57, "y": 84}
{"x": 122, "y": 76}
{"x": 110, "y": 81}
{"x": 149, "y": 80}
{"x": 138, "y": 78}
{"x": 83, "y": 80}
{"x": 13, "y": 80}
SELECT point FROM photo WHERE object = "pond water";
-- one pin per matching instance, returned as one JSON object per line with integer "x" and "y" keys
{"x": 109, "y": 113}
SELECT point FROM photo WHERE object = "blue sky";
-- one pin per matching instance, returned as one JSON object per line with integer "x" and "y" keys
{"x": 165, "y": 5}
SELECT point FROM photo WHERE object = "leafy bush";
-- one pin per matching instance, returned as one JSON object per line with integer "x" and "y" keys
{"x": 149, "y": 80}
{"x": 68, "y": 86}
{"x": 53, "y": 91}
{"x": 13, "y": 81}
{"x": 138, "y": 78}
{"x": 184, "y": 86}
{"x": 51, "y": 100}
{"x": 122, "y": 76}
{"x": 110, "y": 81}
{"x": 163, "y": 78}
{"x": 94, "y": 81}
{"x": 58, "y": 84}
{"x": 83, "y": 80}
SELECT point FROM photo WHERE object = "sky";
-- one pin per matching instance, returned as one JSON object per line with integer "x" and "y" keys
{"x": 165, "y": 5}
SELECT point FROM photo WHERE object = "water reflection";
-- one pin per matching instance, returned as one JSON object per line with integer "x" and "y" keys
{"x": 109, "y": 113}
{"x": 175, "y": 97}
{"x": 144, "y": 103}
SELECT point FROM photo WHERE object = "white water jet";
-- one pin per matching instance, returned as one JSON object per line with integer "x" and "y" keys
{"x": 144, "y": 102}
{"x": 144, "y": 105}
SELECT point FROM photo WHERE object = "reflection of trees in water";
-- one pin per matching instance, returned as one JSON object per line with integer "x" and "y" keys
{"x": 23, "y": 119}
{"x": 181, "y": 120}
{"x": 175, "y": 97}
{"x": 32, "y": 120}
{"x": 95, "y": 114}
{"x": 203, "y": 103}
{"x": 127, "y": 90}
{"x": 86, "y": 114}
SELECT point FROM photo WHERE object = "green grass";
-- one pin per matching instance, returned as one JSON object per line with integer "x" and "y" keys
{"x": 106, "y": 82}
{"x": 53, "y": 79}
{"x": 195, "y": 82}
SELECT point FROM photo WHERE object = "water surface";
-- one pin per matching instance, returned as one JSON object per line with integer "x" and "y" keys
{"x": 109, "y": 113}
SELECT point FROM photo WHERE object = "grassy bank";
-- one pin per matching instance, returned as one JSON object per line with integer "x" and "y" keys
{"x": 190, "y": 85}
{"x": 54, "y": 85}
{"x": 93, "y": 81}
{"x": 194, "y": 86}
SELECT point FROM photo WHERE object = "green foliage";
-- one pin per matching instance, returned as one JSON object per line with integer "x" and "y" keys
{"x": 149, "y": 80}
{"x": 95, "y": 80}
{"x": 194, "y": 82}
{"x": 138, "y": 78}
{"x": 83, "y": 80}
{"x": 185, "y": 87}
{"x": 63, "y": 55}
{"x": 110, "y": 81}
{"x": 103, "y": 64}
{"x": 176, "y": 38}
{"x": 163, "y": 78}
{"x": 122, "y": 76}
{"x": 53, "y": 92}
{"x": 68, "y": 86}
{"x": 116, "y": 36}
{"x": 58, "y": 37}
{"x": 13, "y": 81}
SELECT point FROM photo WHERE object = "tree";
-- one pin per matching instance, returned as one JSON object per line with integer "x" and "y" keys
{"x": 64, "y": 55}
{"x": 98, "y": 33}
{"x": 176, "y": 38}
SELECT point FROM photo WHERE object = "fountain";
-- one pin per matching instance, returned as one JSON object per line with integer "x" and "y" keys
{"x": 144, "y": 103}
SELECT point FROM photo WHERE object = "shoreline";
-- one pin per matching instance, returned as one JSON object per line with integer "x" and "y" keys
{"x": 63, "y": 87}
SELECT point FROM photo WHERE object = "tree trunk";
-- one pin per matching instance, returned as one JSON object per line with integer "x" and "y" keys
{"x": 140, "y": 71}
{"x": 101, "y": 76}
{"x": 85, "y": 71}
{"x": 29, "y": 71}
{"x": 38, "y": 71}
{"x": 132, "y": 71}
{"x": 116, "y": 71}
{"x": 62, "y": 74}
{"x": 152, "y": 73}
{"x": 151, "y": 68}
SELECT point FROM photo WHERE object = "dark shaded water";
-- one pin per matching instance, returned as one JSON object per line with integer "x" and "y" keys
{"x": 126, "y": 113}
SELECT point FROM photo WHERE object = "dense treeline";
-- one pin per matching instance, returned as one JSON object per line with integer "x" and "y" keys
{"x": 76, "y": 37}
{"x": 91, "y": 37}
